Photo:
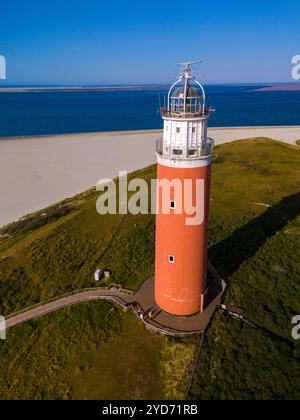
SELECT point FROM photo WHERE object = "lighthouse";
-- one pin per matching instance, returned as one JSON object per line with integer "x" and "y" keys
{"x": 184, "y": 158}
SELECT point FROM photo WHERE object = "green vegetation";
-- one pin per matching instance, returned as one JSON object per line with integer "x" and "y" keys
{"x": 34, "y": 222}
{"x": 298, "y": 142}
{"x": 91, "y": 351}
{"x": 95, "y": 350}
{"x": 257, "y": 248}
{"x": 38, "y": 262}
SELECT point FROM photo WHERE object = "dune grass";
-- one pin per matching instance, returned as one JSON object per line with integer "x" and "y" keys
{"x": 254, "y": 243}
{"x": 92, "y": 351}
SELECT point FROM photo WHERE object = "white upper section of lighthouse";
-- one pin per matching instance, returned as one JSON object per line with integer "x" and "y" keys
{"x": 185, "y": 123}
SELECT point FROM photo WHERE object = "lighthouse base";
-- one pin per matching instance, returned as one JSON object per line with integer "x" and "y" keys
{"x": 160, "y": 321}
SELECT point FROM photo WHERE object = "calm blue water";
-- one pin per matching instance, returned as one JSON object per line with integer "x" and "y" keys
{"x": 42, "y": 113}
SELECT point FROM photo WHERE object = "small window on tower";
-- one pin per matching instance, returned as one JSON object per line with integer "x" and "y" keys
{"x": 178, "y": 129}
{"x": 172, "y": 205}
{"x": 194, "y": 129}
{"x": 171, "y": 259}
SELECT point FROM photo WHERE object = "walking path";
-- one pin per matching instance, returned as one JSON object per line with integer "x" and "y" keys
{"x": 115, "y": 295}
{"x": 142, "y": 303}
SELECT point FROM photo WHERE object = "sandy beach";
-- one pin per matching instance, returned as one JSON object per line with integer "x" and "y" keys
{"x": 36, "y": 172}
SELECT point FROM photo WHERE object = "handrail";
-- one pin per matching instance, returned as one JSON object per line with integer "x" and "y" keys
{"x": 165, "y": 112}
{"x": 64, "y": 296}
{"x": 150, "y": 324}
{"x": 114, "y": 293}
{"x": 188, "y": 152}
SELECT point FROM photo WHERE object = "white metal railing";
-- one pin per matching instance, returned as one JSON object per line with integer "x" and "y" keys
{"x": 66, "y": 295}
{"x": 189, "y": 113}
{"x": 185, "y": 152}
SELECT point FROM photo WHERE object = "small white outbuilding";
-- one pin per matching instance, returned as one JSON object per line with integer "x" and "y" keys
{"x": 98, "y": 275}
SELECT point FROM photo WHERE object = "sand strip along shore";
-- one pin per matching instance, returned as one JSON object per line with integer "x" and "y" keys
{"x": 36, "y": 172}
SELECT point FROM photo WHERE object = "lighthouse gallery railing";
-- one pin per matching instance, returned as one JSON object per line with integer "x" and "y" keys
{"x": 185, "y": 152}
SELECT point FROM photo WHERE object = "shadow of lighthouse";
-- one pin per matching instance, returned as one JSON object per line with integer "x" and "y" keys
{"x": 243, "y": 244}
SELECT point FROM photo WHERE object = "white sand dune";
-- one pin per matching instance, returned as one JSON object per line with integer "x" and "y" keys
{"x": 39, "y": 171}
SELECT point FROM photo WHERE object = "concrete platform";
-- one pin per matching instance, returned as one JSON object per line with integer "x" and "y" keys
{"x": 160, "y": 321}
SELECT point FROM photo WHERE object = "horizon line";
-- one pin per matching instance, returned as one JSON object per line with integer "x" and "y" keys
{"x": 107, "y": 85}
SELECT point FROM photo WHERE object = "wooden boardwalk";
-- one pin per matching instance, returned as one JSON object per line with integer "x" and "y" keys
{"x": 75, "y": 298}
{"x": 142, "y": 302}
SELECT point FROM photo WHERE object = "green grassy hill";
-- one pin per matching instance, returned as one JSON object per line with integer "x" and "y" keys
{"x": 95, "y": 350}
{"x": 257, "y": 248}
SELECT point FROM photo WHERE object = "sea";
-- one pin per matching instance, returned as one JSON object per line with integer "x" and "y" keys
{"x": 59, "y": 112}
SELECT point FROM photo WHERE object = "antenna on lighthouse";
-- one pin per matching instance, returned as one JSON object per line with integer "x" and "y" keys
{"x": 185, "y": 68}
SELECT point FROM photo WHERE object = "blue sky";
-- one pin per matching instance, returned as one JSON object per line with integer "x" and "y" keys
{"x": 103, "y": 42}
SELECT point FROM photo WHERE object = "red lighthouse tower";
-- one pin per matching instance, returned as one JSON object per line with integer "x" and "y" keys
{"x": 184, "y": 154}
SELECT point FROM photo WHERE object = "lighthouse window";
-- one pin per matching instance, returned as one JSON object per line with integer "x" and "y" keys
{"x": 194, "y": 129}
{"x": 173, "y": 205}
{"x": 178, "y": 129}
{"x": 171, "y": 259}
